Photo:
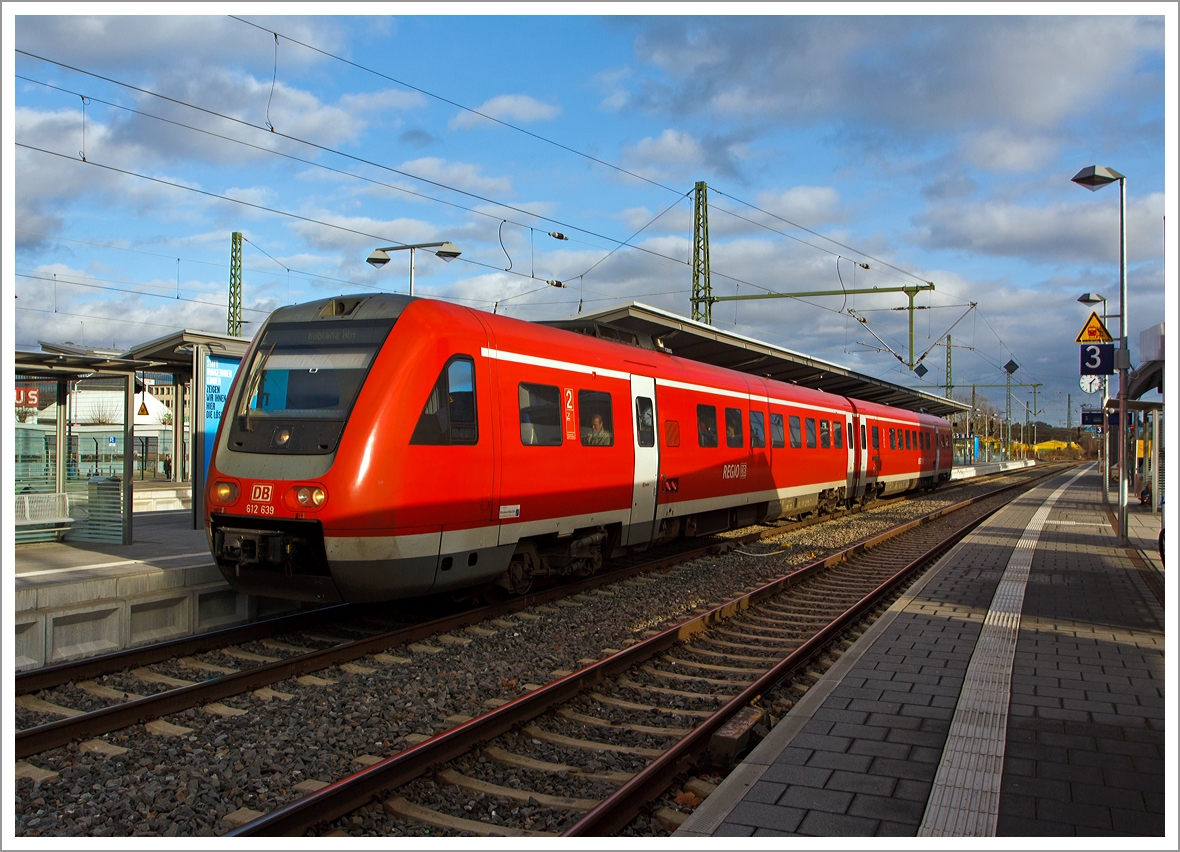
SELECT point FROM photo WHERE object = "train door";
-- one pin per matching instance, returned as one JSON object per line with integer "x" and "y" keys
{"x": 851, "y": 467}
{"x": 647, "y": 461}
{"x": 858, "y": 448}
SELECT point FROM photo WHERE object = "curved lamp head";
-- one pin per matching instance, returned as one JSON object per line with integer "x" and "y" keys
{"x": 1090, "y": 298}
{"x": 378, "y": 258}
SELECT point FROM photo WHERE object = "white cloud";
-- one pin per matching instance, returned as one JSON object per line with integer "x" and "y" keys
{"x": 464, "y": 176}
{"x": 672, "y": 150}
{"x": 1002, "y": 149}
{"x": 519, "y": 109}
{"x": 1074, "y": 232}
{"x": 809, "y": 206}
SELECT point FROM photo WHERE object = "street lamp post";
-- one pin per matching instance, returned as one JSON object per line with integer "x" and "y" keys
{"x": 1094, "y": 178}
{"x": 448, "y": 251}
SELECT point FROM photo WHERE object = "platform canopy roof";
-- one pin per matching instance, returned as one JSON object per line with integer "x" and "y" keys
{"x": 71, "y": 365}
{"x": 652, "y": 328}
{"x": 176, "y": 349}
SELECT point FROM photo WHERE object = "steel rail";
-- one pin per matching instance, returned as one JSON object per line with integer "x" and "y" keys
{"x": 47, "y": 677}
{"x": 617, "y": 810}
{"x": 63, "y": 731}
{"x": 345, "y": 795}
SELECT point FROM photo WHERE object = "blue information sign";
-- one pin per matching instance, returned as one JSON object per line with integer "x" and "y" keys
{"x": 1097, "y": 359}
{"x": 219, "y": 375}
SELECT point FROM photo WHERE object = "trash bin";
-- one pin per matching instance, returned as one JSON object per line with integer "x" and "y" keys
{"x": 105, "y": 510}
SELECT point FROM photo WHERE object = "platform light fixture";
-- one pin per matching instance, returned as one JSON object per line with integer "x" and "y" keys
{"x": 1094, "y": 178}
{"x": 447, "y": 250}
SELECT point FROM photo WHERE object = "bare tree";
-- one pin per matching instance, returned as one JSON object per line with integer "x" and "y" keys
{"x": 104, "y": 414}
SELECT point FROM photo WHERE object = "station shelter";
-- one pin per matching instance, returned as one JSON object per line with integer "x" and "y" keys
{"x": 79, "y": 410}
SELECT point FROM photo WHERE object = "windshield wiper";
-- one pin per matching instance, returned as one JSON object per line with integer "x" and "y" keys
{"x": 255, "y": 375}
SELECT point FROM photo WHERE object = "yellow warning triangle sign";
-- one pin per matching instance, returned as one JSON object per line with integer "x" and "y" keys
{"x": 143, "y": 409}
{"x": 1094, "y": 331}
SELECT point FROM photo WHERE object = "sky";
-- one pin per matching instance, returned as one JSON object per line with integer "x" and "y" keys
{"x": 934, "y": 147}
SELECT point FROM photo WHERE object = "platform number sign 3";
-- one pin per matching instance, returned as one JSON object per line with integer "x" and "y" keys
{"x": 1097, "y": 359}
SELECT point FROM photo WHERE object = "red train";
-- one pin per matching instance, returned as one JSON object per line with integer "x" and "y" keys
{"x": 380, "y": 447}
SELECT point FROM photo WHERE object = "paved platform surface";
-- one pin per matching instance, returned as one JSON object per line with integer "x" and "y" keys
{"x": 982, "y": 703}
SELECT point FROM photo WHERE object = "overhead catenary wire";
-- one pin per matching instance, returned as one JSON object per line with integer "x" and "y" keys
{"x": 457, "y": 105}
{"x": 403, "y": 173}
{"x": 338, "y": 152}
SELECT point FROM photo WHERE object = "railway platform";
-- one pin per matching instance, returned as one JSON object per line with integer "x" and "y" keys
{"x": 1016, "y": 689}
{"x": 76, "y": 599}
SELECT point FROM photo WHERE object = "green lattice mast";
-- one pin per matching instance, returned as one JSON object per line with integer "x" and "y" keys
{"x": 702, "y": 289}
{"x": 233, "y": 322}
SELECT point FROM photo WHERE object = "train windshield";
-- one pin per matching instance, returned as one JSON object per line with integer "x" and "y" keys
{"x": 310, "y": 370}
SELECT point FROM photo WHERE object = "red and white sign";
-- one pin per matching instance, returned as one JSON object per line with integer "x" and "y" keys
{"x": 27, "y": 397}
{"x": 571, "y": 419}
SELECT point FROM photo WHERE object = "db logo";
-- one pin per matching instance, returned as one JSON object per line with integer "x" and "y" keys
{"x": 261, "y": 493}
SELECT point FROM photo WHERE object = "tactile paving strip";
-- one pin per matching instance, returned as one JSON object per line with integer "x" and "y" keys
{"x": 965, "y": 798}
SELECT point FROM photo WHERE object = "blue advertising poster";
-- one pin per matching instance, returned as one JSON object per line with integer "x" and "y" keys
{"x": 219, "y": 375}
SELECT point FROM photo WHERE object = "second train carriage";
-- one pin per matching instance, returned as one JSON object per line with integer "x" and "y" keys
{"x": 381, "y": 447}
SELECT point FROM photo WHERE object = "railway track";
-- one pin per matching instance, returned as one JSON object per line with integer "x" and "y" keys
{"x": 262, "y": 673}
{"x": 204, "y": 669}
{"x": 731, "y": 655}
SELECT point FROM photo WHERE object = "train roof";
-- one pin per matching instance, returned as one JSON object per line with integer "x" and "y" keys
{"x": 652, "y": 328}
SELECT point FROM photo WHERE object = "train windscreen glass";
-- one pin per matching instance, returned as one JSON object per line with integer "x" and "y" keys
{"x": 309, "y": 370}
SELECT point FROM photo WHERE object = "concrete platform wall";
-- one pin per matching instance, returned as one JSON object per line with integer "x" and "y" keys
{"x": 68, "y": 621}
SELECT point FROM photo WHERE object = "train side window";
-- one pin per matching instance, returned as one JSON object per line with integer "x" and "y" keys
{"x": 892, "y": 439}
{"x": 876, "y": 438}
{"x": 540, "y": 415}
{"x": 757, "y": 430}
{"x": 809, "y": 427}
{"x": 838, "y": 434}
{"x": 914, "y": 434}
{"x": 454, "y": 422}
{"x": 825, "y": 434}
{"x": 594, "y": 414}
{"x": 645, "y": 431}
{"x": 706, "y": 425}
{"x": 864, "y": 443}
{"x": 796, "y": 432}
{"x": 733, "y": 427}
{"x": 671, "y": 433}
{"x": 777, "y": 436}
{"x": 907, "y": 439}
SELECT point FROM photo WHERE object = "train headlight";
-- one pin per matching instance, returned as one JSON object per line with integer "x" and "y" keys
{"x": 224, "y": 492}
{"x": 282, "y": 437}
{"x": 310, "y": 496}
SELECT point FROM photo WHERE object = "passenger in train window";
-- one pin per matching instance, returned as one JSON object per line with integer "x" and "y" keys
{"x": 594, "y": 411}
{"x": 733, "y": 427}
{"x": 706, "y": 426}
{"x": 825, "y": 437}
{"x": 596, "y": 436}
